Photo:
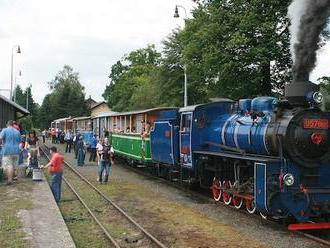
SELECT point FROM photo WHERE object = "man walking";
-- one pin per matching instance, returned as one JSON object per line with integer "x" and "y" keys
{"x": 10, "y": 139}
{"x": 55, "y": 169}
{"x": 105, "y": 159}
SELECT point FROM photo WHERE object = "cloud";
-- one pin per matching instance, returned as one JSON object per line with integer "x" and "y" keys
{"x": 88, "y": 35}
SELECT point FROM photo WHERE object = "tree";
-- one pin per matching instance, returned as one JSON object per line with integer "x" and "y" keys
{"x": 325, "y": 89}
{"x": 23, "y": 98}
{"x": 238, "y": 48}
{"x": 45, "y": 116}
{"x": 132, "y": 80}
{"x": 67, "y": 97}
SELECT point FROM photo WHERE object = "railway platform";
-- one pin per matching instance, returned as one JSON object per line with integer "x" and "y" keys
{"x": 30, "y": 217}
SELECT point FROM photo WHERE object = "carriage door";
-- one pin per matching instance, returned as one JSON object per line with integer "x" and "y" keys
{"x": 185, "y": 139}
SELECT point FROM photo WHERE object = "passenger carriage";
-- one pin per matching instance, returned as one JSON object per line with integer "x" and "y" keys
{"x": 128, "y": 137}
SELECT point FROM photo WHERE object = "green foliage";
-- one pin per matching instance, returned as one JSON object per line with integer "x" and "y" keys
{"x": 325, "y": 89}
{"x": 27, "y": 123}
{"x": 133, "y": 81}
{"x": 231, "y": 49}
{"x": 238, "y": 48}
{"x": 67, "y": 98}
{"x": 25, "y": 99}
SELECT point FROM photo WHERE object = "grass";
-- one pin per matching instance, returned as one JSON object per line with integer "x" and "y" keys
{"x": 13, "y": 199}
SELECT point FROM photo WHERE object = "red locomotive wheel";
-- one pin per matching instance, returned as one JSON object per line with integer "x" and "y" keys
{"x": 226, "y": 196}
{"x": 237, "y": 202}
{"x": 216, "y": 189}
{"x": 250, "y": 206}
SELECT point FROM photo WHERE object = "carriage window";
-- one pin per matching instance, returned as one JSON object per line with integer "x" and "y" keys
{"x": 186, "y": 123}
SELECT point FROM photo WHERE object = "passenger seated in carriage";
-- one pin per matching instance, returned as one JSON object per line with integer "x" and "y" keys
{"x": 145, "y": 129}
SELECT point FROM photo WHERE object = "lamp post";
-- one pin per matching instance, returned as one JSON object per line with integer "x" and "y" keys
{"x": 185, "y": 99}
{"x": 29, "y": 89}
{"x": 12, "y": 69}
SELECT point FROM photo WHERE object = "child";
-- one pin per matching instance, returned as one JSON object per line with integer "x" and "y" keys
{"x": 33, "y": 161}
{"x": 23, "y": 155}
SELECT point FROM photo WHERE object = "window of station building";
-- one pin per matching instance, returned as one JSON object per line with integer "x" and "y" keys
{"x": 186, "y": 123}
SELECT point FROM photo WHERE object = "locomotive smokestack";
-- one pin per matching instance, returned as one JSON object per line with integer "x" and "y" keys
{"x": 308, "y": 19}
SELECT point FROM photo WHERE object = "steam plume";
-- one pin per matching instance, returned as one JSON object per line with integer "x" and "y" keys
{"x": 308, "y": 19}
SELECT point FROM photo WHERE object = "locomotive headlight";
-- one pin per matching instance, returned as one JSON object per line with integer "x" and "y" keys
{"x": 288, "y": 179}
{"x": 318, "y": 97}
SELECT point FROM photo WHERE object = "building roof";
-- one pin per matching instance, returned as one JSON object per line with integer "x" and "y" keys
{"x": 193, "y": 107}
{"x": 104, "y": 114}
{"x": 81, "y": 118}
{"x": 15, "y": 105}
{"x": 98, "y": 104}
{"x": 142, "y": 111}
{"x": 62, "y": 119}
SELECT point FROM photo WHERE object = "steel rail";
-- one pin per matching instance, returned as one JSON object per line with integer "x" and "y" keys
{"x": 113, "y": 241}
{"x": 107, "y": 234}
{"x": 149, "y": 235}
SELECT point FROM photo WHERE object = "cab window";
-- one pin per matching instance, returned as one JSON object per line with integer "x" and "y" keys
{"x": 185, "y": 123}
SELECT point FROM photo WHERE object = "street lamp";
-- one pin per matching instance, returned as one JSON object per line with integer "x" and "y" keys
{"x": 12, "y": 69}
{"x": 185, "y": 99}
{"x": 176, "y": 11}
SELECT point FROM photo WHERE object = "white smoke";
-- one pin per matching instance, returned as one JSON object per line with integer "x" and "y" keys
{"x": 296, "y": 10}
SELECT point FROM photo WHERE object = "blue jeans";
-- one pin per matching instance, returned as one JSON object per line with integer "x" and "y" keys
{"x": 56, "y": 185}
{"x": 80, "y": 158}
{"x": 103, "y": 165}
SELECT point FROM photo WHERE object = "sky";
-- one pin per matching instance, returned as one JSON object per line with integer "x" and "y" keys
{"x": 88, "y": 35}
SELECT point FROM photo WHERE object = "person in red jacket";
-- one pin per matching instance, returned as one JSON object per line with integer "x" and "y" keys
{"x": 55, "y": 169}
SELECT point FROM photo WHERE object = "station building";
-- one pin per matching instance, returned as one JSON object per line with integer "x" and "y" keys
{"x": 10, "y": 110}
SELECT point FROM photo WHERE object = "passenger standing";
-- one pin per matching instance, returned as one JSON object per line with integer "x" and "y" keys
{"x": 105, "y": 159}
{"x": 43, "y": 133}
{"x": 80, "y": 152}
{"x": 93, "y": 149}
{"x": 53, "y": 134}
{"x": 75, "y": 142}
{"x": 32, "y": 142}
{"x": 55, "y": 169}
{"x": 10, "y": 138}
{"x": 68, "y": 139}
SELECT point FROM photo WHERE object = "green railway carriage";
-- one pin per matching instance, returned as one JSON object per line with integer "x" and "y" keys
{"x": 129, "y": 133}
{"x": 132, "y": 146}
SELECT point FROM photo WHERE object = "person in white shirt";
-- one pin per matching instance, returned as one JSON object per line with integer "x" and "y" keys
{"x": 105, "y": 159}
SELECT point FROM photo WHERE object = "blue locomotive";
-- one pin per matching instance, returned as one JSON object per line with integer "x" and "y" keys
{"x": 265, "y": 154}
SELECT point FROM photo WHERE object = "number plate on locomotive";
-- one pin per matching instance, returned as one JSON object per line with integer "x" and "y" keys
{"x": 316, "y": 123}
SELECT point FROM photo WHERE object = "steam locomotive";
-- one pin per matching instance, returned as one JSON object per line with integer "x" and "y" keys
{"x": 270, "y": 155}
{"x": 264, "y": 154}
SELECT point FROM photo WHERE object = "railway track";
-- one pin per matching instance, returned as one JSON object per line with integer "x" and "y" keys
{"x": 137, "y": 235}
{"x": 203, "y": 195}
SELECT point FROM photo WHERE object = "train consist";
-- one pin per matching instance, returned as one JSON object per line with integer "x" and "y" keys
{"x": 265, "y": 154}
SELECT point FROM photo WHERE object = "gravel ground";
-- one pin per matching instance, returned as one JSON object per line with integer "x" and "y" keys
{"x": 181, "y": 220}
